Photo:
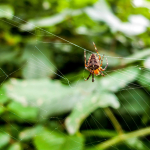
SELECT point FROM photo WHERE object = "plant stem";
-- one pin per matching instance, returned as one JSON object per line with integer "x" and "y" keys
{"x": 114, "y": 121}
{"x": 123, "y": 137}
{"x": 100, "y": 133}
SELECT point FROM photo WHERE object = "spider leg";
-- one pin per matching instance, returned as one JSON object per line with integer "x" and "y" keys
{"x": 85, "y": 59}
{"x": 88, "y": 77}
{"x": 97, "y": 51}
{"x": 93, "y": 78}
{"x": 87, "y": 69}
{"x": 102, "y": 61}
{"x": 102, "y": 74}
{"x": 105, "y": 66}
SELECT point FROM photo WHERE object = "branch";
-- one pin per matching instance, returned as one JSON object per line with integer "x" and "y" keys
{"x": 100, "y": 133}
{"x": 114, "y": 121}
{"x": 123, "y": 137}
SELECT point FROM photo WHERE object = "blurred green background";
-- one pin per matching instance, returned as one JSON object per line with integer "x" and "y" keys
{"x": 45, "y": 104}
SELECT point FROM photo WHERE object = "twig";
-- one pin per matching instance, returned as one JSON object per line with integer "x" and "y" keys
{"x": 123, "y": 137}
{"x": 100, "y": 133}
{"x": 114, "y": 121}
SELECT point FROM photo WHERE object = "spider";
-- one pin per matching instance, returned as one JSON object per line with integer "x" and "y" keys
{"x": 94, "y": 65}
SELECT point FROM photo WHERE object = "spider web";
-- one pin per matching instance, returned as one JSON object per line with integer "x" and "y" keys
{"x": 77, "y": 93}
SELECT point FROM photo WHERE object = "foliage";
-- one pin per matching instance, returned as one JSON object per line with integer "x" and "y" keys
{"x": 45, "y": 102}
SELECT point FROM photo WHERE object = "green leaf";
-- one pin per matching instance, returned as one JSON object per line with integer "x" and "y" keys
{"x": 85, "y": 107}
{"x": 3, "y": 97}
{"x": 102, "y": 12}
{"x": 143, "y": 80}
{"x": 15, "y": 146}
{"x": 6, "y": 11}
{"x": 51, "y": 139}
{"x": 2, "y": 109}
{"x": 47, "y": 140}
{"x": 74, "y": 142}
{"x": 47, "y": 101}
{"x": 49, "y": 21}
{"x": 23, "y": 112}
{"x": 4, "y": 139}
{"x": 29, "y": 133}
{"x": 119, "y": 79}
{"x": 108, "y": 99}
{"x": 136, "y": 57}
{"x": 137, "y": 144}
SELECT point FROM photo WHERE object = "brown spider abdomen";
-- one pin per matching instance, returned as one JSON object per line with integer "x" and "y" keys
{"x": 93, "y": 62}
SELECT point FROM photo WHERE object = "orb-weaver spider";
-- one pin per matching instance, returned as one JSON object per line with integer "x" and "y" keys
{"x": 94, "y": 65}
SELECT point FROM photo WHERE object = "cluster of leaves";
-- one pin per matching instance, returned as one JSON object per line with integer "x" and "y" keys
{"x": 28, "y": 105}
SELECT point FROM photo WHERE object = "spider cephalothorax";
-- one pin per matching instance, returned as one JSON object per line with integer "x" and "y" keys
{"x": 94, "y": 65}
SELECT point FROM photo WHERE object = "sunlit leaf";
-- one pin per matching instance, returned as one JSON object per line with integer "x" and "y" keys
{"x": 49, "y": 21}
{"x": 23, "y": 112}
{"x": 48, "y": 101}
{"x": 29, "y": 133}
{"x": 6, "y": 11}
{"x": 47, "y": 140}
{"x": 3, "y": 96}
{"x": 85, "y": 107}
{"x": 119, "y": 79}
{"x": 52, "y": 139}
{"x": 15, "y": 146}
{"x": 4, "y": 139}
{"x": 102, "y": 12}
{"x": 144, "y": 79}
{"x": 136, "y": 57}
{"x": 136, "y": 144}
{"x": 74, "y": 142}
